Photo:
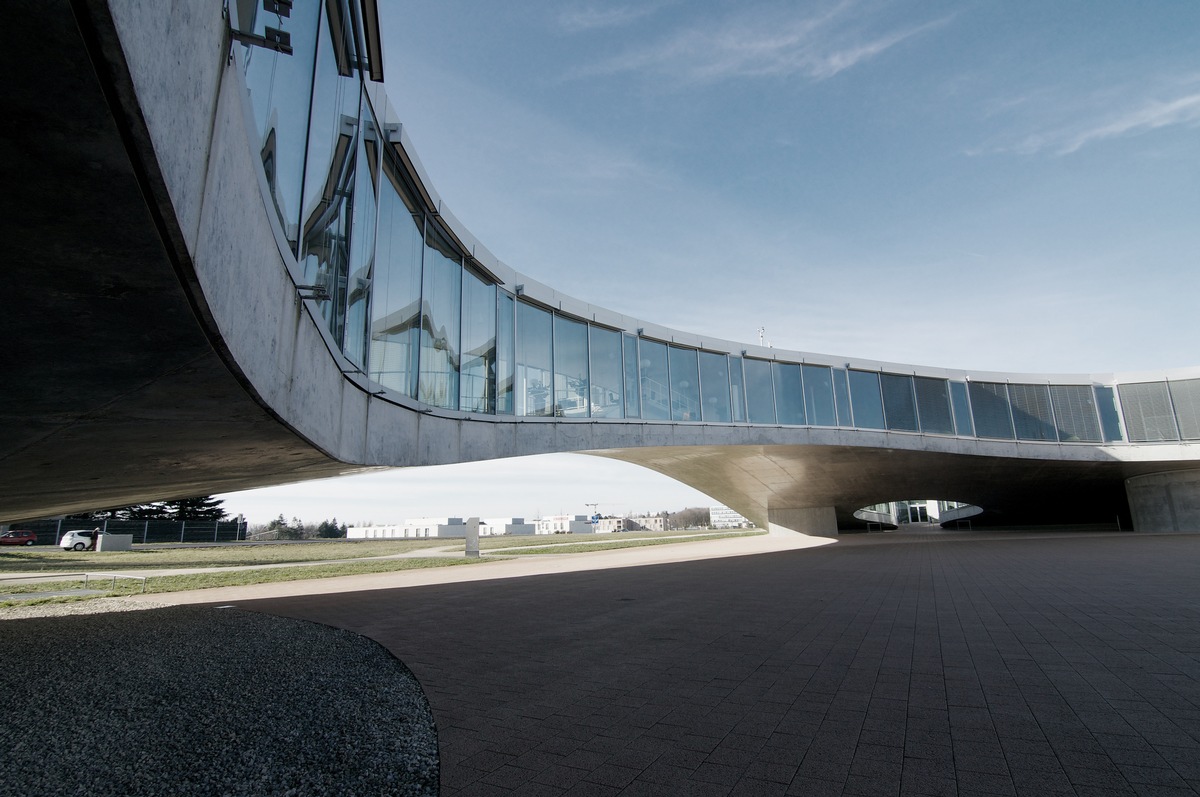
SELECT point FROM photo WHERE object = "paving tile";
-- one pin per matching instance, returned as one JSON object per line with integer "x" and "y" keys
{"x": 938, "y": 664}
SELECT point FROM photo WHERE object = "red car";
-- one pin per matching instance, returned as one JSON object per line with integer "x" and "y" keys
{"x": 18, "y": 537}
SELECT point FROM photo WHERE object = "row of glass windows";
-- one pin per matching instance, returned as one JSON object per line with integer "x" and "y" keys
{"x": 418, "y": 318}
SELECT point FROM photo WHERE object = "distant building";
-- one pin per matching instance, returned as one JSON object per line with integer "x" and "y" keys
{"x": 722, "y": 517}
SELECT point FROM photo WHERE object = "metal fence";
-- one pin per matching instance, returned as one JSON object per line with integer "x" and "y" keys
{"x": 51, "y": 531}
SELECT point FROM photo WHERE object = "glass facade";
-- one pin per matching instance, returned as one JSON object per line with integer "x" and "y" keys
{"x": 410, "y": 307}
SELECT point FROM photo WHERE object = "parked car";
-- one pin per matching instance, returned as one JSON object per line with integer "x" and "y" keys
{"x": 78, "y": 540}
{"x": 18, "y": 537}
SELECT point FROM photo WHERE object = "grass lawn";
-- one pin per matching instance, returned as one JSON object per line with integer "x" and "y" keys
{"x": 253, "y": 560}
{"x": 45, "y": 559}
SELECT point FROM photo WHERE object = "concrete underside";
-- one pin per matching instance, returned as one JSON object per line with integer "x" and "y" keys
{"x": 114, "y": 388}
{"x": 768, "y": 483}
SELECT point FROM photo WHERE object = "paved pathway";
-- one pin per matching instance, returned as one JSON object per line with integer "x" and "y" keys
{"x": 889, "y": 664}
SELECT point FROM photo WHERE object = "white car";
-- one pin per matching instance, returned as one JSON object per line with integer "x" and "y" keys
{"x": 78, "y": 540}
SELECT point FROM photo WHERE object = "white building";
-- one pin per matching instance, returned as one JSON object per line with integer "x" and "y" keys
{"x": 722, "y": 517}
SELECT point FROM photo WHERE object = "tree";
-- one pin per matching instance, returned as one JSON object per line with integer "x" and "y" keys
{"x": 200, "y": 508}
{"x": 330, "y": 529}
{"x": 286, "y": 531}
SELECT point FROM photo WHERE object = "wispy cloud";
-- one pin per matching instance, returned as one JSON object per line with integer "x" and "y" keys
{"x": 757, "y": 44}
{"x": 584, "y": 18}
{"x": 1100, "y": 116}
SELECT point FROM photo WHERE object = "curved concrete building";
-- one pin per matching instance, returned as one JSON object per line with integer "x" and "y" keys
{"x": 233, "y": 272}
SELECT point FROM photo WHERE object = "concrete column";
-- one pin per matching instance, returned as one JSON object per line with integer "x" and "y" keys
{"x": 816, "y": 521}
{"x": 472, "y": 535}
{"x": 1165, "y": 501}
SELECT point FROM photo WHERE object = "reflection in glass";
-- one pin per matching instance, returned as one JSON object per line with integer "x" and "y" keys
{"x": 605, "y": 350}
{"x": 656, "y": 396}
{"x": 396, "y": 299}
{"x": 963, "y": 426}
{"x": 685, "y": 384}
{"x": 933, "y": 405}
{"x": 866, "y": 400}
{"x": 441, "y": 292}
{"x": 1110, "y": 420}
{"x": 362, "y": 239}
{"x": 737, "y": 390}
{"x": 280, "y": 88}
{"x": 760, "y": 392}
{"x": 989, "y": 405}
{"x": 532, "y": 388}
{"x": 899, "y": 407}
{"x": 714, "y": 386}
{"x": 818, "y": 396}
{"x": 570, "y": 368}
{"x": 789, "y": 395}
{"x": 329, "y": 176}
{"x": 633, "y": 393}
{"x": 1075, "y": 413}
{"x": 1032, "y": 417}
{"x": 478, "y": 345}
{"x": 841, "y": 392}
{"x": 505, "y": 353}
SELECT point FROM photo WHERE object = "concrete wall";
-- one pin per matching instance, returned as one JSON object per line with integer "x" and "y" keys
{"x": 1165, "y": 501}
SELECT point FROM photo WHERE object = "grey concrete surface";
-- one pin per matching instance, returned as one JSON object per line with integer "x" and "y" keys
{"x": 900, "y": 664}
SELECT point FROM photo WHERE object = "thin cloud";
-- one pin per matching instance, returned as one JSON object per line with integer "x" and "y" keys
{"x": 580, "y": 19}
{"x": 752, "y": 45}
{"x": 1134, "y": 115}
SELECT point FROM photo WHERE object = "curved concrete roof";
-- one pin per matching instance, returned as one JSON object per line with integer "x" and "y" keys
{"x": 164, "y": 351}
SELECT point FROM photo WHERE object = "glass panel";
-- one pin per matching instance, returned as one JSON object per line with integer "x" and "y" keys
{"x": 1110, "y": 420}
{"x": 714, "y": 386}
{"x": 607, "y": 400}
{"x": 1032, "y": 417}
{"x": 737, "y": 389}
{"x": 789, "y": 394}
{"x": 989, "y": 403}
{"x": 962, "y": 410}
{"x": 280, "y": 89}
{"x": 505, "y": 353}
{"x": 898, "y": 405}
{"x": 685, "y": 384}
{"x": 865, "y": 399}
{"x": 1147, "y": 410}
{"x": 329, "y": 174}
{"x": 1185, "y": 396}
{"x": 1075, "y": 413}
{"x": 818, "y": 396}
{"x": 396, "y": 299}
{"x": 760, "y": 395}
{"x": 633, "y": 400}
{"x": 532, "y": 388}
{"x": 478, "y": 380}
{"x": 570, "y": 368}
{"x": 841, "y": 391}
{"x": 362, "y": 239}
{"x": 933, "y": 405}
{"x": 441, "y": 293}
{"x": 656, "y": 397}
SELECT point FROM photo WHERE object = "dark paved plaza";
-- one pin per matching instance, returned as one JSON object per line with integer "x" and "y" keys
{"x": 931, "y": 664}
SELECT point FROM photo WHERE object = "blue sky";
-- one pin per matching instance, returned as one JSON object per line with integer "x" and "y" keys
{"x": 991, "y": 185}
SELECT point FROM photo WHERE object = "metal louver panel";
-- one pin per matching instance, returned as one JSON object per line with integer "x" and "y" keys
{"x": 1185, "y": 395}
{"x": 933, "y": 405}
{"x": 898, "y": 405}
{"x": 1147, "y": 410}
{"x": 989, "y": 405}
{"x": 1075, "y": 412}
{"x": 1032, "y": 416}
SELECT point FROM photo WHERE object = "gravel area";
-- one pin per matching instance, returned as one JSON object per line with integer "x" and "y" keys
{"x": 113, "y": 697}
